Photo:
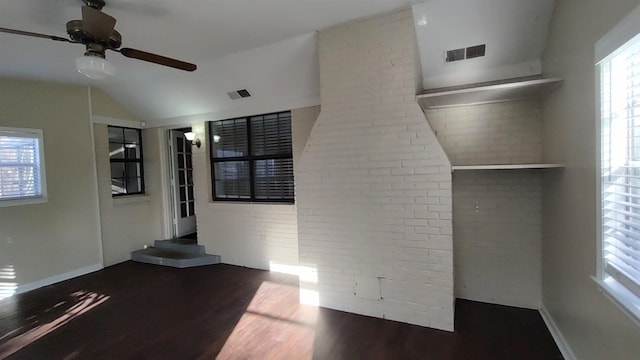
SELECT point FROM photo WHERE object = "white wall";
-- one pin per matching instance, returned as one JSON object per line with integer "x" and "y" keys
{"x": 513, "y": 30}
{"x": 261, "y": 236}
{"x": 374, "y": 185}
{"x": 592, "y": 325}
{"x": 61, "y": 236}
{"x": 496, "y": 214}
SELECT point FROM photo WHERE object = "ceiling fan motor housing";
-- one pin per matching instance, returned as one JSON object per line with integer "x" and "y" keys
{"x": 77, "y": 33}
{"x": 96, "y": 4}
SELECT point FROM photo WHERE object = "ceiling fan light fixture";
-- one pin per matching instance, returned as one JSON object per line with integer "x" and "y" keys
{"x": 95, "y": 67}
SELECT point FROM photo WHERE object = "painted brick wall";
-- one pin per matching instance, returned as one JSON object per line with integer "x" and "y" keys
{"x": 500, "y": 133}
{"x": 497, "y": 227}
{"x": 261, "y": 236}
{"x": 496, "y": 245}
{"x": 374, "y": 185}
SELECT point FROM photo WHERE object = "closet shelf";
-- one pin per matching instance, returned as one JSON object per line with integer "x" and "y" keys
{"x": 506, "y": 167}
{"x": 488, "y": 92}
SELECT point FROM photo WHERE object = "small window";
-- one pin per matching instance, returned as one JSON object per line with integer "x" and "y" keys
{"x": 22, "y": 175}
{"x": 251, "y": 158}
{"x": 620, "y": 175}
{"x": 125, "y": 154}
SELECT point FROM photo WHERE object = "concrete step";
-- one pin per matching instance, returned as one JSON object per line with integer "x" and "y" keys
{"x": 177, "y": 259}
{"x": 180, "y": 245}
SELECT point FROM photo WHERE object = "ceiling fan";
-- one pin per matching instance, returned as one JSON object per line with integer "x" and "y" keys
{"x": 96, "y": 32}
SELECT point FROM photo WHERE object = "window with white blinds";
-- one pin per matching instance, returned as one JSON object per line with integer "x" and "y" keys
{"x": 22, "y": 177}
{"x": 620, "y": 172}
{"x": 252, "y": 158}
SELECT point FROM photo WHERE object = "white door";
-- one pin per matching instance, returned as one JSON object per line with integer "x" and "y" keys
{"x": 184, "y": 219}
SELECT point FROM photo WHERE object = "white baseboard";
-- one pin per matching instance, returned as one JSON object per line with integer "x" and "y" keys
{"x": 57, "y": 278}
{"x": 562, "y": 343}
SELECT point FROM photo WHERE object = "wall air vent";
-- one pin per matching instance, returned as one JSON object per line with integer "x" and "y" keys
{"x": 239, "y": 94}
{"x": 465, "y": 53}
{"x": 476, "y": 51}
{"x": 455, "y": 55}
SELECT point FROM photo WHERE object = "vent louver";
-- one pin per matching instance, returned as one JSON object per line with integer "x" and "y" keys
{"x": 470, "y": 52}
{"x": 455, "y": 55}
{"x": 239, "y": 94}
{"x": 476, "y": 51}
{"x": 244, "y": 93}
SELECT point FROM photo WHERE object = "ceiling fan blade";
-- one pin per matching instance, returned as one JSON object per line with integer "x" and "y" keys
{"x": 33, "y": 34}
{"x": 157, "y": 59}
{"x": 98, "y": 23}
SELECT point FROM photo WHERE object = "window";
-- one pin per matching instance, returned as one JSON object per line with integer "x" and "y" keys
{"x": 22, "y": 176}
{"x": 125, "y": 154}
{"x": 251, "y": 158}
{"x": 620, "y": 176}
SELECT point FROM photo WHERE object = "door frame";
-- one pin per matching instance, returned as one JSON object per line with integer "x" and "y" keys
{"x": 182, "y": 223}
{"x": 167, "y": 196}
{"x": 168, "y": 207}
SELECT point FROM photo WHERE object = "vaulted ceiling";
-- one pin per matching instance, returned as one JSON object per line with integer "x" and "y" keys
{"x": 267, "y": 46}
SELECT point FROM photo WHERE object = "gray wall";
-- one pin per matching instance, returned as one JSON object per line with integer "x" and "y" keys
{"x": 61, "y": 236}
{"x": 591, "y": 324}
{"x": 130, "y": 222}
{"x": 45, "y": 243}
{"x": 497, "y": 222}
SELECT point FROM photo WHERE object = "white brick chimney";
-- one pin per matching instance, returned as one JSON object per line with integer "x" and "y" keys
{"x": 373, "y": 190}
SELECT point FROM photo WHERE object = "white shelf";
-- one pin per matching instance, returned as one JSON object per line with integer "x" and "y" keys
{"x": 506, "y": 167}
{"x": 485, "y": 93}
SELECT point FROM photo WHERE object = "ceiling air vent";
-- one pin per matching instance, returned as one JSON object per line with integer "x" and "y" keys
{"x": 466, "y": 53}
{"x": 239, "y": 94}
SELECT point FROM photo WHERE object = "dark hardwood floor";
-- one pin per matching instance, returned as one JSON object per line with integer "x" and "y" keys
{"x": 140, "y": 311}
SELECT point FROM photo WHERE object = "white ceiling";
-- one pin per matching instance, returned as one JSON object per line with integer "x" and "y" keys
{"x": 266, "y": 46}
{"x": 514, "y": 31}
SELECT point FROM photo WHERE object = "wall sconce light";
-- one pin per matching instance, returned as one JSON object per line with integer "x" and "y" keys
{"x": 191, "y": 136}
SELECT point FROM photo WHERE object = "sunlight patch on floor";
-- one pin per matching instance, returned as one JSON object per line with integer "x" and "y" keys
{"x": 274, "y": 326}
{"x": 83, "y": 301}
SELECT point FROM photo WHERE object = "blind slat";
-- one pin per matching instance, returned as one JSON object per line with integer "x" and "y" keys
{"x": 252, "y": 142}
{"x": 19, "y": 166}
{"x": 620, "y": 145}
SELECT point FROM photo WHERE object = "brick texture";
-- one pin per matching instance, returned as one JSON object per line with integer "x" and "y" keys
{"x": 500, "y": 133}
{"x": 253, "y": 235}
{"x": 256, "y": 235}
{"x": 496, "y": 214}
{"x": 373, "y": 190}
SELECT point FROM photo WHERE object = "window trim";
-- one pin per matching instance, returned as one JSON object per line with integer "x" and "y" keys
{"x": 125, "y": 161}
{"x": 251, "y": 159}
{"x": 43, "y": 197}
{"x": 618, "y": 38}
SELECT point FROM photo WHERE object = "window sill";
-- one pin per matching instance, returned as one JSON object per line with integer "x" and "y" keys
{"x": 624, "y": 299}
{"x": 231, "y": 202}
{"x": 26, "y": 201}
{"x": 132, "y": 199}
